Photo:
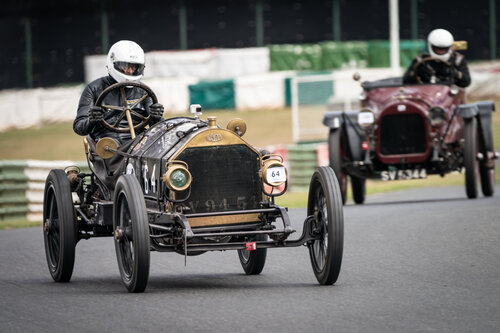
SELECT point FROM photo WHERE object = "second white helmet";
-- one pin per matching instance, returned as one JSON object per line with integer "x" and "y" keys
{"x": 439, "y": 44}
{"x": 125, "y": 61}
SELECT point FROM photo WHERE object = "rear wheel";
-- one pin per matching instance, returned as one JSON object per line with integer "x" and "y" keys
{"x": 358, "y": 186}
{"x": 59, "y": 231}
{"x": 130, "y": 222}
{"x": 470, "y": 154}
{"x": 336, "y": 153}
{"x": 325, "y": 204}
{"x": 253, "y": 261}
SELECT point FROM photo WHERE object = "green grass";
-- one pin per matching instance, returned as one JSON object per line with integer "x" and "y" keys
{"x": 18, "y": 223}
{"x": 59, "y": 142}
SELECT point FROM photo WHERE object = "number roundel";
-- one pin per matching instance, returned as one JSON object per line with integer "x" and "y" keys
{"x": 274, "y": 173}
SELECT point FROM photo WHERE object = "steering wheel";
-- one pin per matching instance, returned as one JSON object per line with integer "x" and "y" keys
{"x": 424, "y": 61}
{"x": 127, "y": 108}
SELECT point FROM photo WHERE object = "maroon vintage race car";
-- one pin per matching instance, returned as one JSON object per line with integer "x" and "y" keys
{"x": 405, "y": 131}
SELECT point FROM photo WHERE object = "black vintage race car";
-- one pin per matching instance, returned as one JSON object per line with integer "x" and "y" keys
{"x": 409, "y": 131}
{"x": 184, "y": 185}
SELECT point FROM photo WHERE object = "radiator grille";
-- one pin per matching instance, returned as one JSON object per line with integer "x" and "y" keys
{"x": 402, "y": 134}
{"x": 224, "y": 178}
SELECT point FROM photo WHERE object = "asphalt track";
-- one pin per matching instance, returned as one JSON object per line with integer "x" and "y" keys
{"x": 424, "y": 260}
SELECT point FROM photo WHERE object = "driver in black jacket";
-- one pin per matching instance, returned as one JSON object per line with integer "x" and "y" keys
{"x": 125, "y": 62}
{"x": 439, "y": 44}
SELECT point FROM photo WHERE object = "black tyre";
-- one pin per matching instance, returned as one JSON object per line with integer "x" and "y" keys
{"x": 130, "y": 222}
{"x": 336, "y": 153}
{"x": 325, "y": 204}
{"x": 358, "y": 186}
{"x": 487, "y": 176}
{"x": 470, "y": 154}
{"x": 59, "y": 227}
{"x": 253, "y": 261}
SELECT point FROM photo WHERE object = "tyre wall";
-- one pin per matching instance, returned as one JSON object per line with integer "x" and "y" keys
{"x": 22, "y": 185}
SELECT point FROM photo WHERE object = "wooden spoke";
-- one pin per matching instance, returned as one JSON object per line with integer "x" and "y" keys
{"x": 119, "y": 119}
{"x": 113, "y": 107}
{"x": 124, "y": 96}
{"x": 138, "y": 101}
{"x": 136, "y": 114}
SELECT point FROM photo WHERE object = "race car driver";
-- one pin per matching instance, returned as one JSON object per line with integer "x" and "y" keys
{"x": 448, "y": 66}
{"x": 125, "y": 63}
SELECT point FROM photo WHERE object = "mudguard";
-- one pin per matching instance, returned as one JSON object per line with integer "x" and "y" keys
{"x": 354, "y": 135}
{"x": 482, "y": 111}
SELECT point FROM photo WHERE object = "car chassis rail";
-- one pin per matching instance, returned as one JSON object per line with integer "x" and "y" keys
{"x": 278, "y": 237}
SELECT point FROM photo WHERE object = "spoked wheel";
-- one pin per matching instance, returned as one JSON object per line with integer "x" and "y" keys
{"x": 336, "y": 153}
{"x": 59, "y": 231}
{"x": 325, "y": 204}
{"x": 253, "y": 261}
{"x": 470, "y": 154}
{"x": 130, "y": 222}
{"x": 358, "y": 189}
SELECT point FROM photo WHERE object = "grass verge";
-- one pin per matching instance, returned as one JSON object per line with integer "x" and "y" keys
{"x": 20, "y": 223}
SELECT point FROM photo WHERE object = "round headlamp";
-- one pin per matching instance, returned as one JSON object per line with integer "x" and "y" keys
{"x": 366, "y": 118}
{"x": 177, "y": 177}
{"x": 437, "y": 116}
{"x": 274, "y": 173}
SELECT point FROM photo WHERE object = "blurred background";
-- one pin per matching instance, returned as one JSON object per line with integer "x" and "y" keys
{"x": 46, "y": 41}
{"x": 236, "y": 58}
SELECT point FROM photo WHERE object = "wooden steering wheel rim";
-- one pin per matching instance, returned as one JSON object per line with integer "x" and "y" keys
{"x": 120, "y": 85}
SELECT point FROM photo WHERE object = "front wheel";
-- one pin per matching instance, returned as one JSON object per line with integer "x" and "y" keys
{"x": 130, "y": 222}
{"x": 487, "y": 175}
{"x": 358, "y": 186}
{"x": 336, "y": 153}
{"x": 325, "y": 204}
{"x": 470, "y": 154}
{"x": 59, "y": 231}
{"x": 253, "y": 261}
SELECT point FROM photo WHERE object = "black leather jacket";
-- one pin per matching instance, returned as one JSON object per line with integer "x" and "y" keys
{"x": 457, "y": 74}
{"x": 89, "y": 96}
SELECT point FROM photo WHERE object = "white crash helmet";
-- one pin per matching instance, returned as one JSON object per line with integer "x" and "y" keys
{"x": 125, "y": 61}
{"x": 439, "y": 44}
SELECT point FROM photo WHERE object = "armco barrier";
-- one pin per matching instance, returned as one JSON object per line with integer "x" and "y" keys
{"x": 22, "y": 184}
{"x": 302, "y": 162}
{"x": 13, "y": 186}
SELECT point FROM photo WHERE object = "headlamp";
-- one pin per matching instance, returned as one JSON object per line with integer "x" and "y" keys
{"x": 273, "y": 171}
{"x": 366, "y": 118}
{"x": 177, "y": 177}
{"x": 437, "y": 116}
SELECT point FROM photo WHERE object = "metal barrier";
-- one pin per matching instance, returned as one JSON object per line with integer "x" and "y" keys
{"x": 22, "y": 184}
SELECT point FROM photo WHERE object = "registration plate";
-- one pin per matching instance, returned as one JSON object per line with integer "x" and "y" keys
{"x": 401, "y": 174}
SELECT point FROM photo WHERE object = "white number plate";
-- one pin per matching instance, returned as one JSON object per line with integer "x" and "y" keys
{"x": 403, "y": 174}
{"x": 276, "y": 174}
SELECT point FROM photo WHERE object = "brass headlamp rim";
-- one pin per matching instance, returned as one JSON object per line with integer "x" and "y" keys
{"x": 269, "y": 164}
{"x": 173, "y": 166}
